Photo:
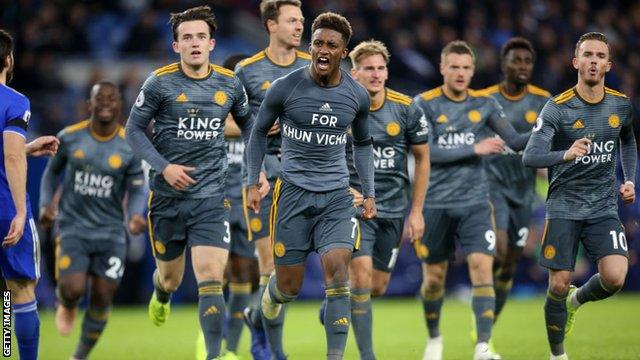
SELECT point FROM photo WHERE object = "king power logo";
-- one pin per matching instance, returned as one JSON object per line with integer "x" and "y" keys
{"x": 194, "y": 127}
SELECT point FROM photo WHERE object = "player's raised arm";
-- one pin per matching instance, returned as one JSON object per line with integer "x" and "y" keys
{"x": 498, "y": 123}
{"x": 538, "y": 151}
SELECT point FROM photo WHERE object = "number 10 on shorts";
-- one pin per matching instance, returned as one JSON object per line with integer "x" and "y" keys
{"x": 619, "y": 240}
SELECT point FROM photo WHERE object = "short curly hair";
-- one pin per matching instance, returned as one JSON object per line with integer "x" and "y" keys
{"x": 516, "y": 43}
{"x": 203, "y": 13}
{"x": 333, "y": 21}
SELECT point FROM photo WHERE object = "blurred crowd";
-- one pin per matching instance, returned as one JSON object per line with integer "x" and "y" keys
{"x": 64, "y": 46}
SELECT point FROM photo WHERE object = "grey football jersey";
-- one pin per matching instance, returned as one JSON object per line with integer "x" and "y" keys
{"x": 505, "y": 171}
{"x": 257, "y": 73}
{"x": 586, "y": 187}
{"x": 458, "y": 178}
{"x": 394, "y": 127}
{"x": 313, "y": 123}
{"x": 189, "y": 117}
{"x": 97, "y": 173}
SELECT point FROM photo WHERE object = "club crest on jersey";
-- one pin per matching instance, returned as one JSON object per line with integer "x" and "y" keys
{"x": 393, "y": 128}
{"x": 578, "y": 124}
{"x": 140, "y": 99}
{"x": 531, "y": 116}
{"x": 474, "y": 116}
{"x": 265, "y": 85}
{"x": 115, "y": 161}
{"x": 182, "y": 98}
{"x": 78, "y": 154}
{"x": 614, "y": 121}
{"x": 220, "y": 98}
{"x": 442, "y": 119}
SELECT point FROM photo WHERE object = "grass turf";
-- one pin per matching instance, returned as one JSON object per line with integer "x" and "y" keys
{"x": 604, "y": 330}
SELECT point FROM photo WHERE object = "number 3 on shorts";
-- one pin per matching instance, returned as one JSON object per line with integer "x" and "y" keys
{"x": 490, "y": 236}
{"x": 227, "y": 237}
{"x": 619, "y": 239}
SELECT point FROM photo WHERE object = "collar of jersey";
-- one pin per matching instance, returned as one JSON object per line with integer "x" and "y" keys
{"x": 102, "y": 138}
{"x": 453, "y": 100}
{"x": 195, "y": 78}
{"x": 512, "y": 97}
{"x": 575, "y": 91}
{"x": 266, "y": 54}
{"x": 384, "y": 100}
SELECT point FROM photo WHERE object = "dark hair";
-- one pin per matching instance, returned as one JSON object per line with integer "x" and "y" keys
{"x": 6, "y": 47}
{"x": 516, "y": 43}
{"x": 270, "y": 9}
{"x": 333, "y": 21}
{"x": 231, "y": 62}
{"x": 203, "y": 13}
{"x": 457, "y": 47}
{"x": 592, "y": 36}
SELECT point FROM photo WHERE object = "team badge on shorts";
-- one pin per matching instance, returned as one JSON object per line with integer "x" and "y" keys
{"x": 160, "y": 249}
{"x": 255, "y": 224}
{"x": 549, "y": 252}
{"x": 64, "y": 262}
{"x": 279, "y": 249}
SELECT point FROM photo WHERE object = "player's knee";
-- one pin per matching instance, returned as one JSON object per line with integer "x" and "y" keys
{"x": 379, "y": 289}
{"x": 290, "y": 287}
{"x": 559, "y": 284}
{"x": 433, "y": 283}
{"x": 71, "y": 291}
{"x": 170, "y": 283}
{"x": 614, "y": 281}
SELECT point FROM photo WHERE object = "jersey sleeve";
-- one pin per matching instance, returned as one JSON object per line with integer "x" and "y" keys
{"x": 498, "y": 122}
{"x": 17, "y": 116}
{"x": 241, "y": 106}
{"x": 144, "y": 109}
{"x": 270, "y": 110}
{"x": 628, "y": 149}
{"x": 538, "y": 151}
{"x": 417, "y": 125}
{"x": 55, "y": 165}
{"x": 363, "y": 146}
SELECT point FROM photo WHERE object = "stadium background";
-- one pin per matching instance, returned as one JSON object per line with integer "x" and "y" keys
{"x": 62, "y": 47}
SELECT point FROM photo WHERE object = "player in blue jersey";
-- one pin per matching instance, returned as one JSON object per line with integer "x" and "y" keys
{"x": 20, "y": 252}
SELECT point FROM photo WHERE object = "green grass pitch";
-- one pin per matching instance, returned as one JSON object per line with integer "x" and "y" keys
{"x": 606, "y": 330}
